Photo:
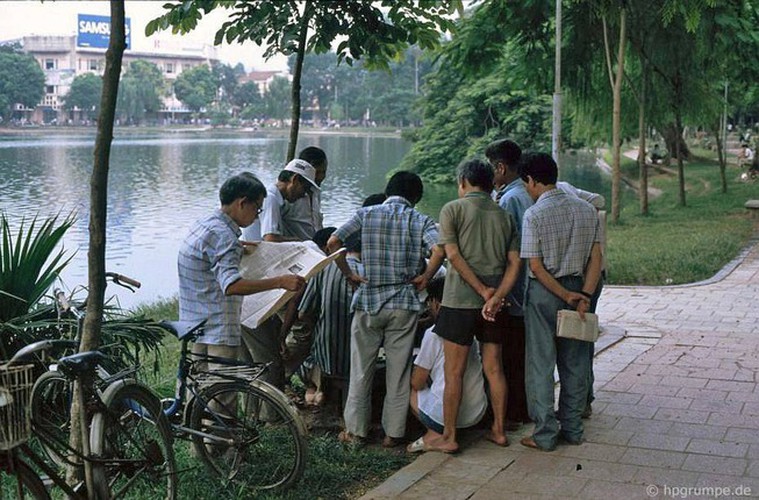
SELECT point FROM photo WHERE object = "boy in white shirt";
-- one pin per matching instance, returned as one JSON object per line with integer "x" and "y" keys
{"x": 428, "y": 381}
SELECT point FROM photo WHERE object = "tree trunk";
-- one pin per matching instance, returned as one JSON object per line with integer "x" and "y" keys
{"x": 98, "y": 204}
{"x": 721, "y": 156}
{"x": 642, "y": 167}
{"x": 673, "y": 138}
{"x": 616, "y": 136}
{"x": 678, "y": 153}
{"x": 297, "y": 72}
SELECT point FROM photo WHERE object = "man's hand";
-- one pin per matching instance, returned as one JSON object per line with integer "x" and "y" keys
{"x": 291, "y": 282}
{"x": 248, "y": 246}
{"x": 355, "y": 280}
{"x": 487, "y": 293}
{"x": 492, "y": 307}
{"x": 582, "y": 307}
{"x": 420, "y": 282}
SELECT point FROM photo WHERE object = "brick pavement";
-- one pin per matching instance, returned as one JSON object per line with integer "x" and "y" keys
{"x": 677, "y": 407}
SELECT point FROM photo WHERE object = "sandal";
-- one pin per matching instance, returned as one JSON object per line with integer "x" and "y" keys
{"x": 417, "y": 446}
{"x": 529, "y": 442}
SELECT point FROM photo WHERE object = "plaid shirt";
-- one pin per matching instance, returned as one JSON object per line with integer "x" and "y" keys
{"x": 560, "y": 229}
{"x": 209, "y": 261}
{"x": 395, "y": 239}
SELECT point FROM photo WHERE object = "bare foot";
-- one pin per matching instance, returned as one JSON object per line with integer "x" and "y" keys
{"x": 441, "y": 445}
{"x": 498, "y": 439}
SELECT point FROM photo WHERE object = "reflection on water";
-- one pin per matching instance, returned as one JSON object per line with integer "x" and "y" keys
{"x": 160, "y": 184}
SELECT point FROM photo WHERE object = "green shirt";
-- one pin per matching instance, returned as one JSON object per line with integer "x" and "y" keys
{"x": 484, "y": 234}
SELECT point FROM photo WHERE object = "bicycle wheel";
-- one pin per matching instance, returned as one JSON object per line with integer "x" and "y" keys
{"x": 24, "y": 477}
{"x": 261, "y": 438}
{"x": 50, "y": 411}
{"x": 133, "y": 444}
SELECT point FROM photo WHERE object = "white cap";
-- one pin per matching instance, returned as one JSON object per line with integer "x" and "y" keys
{"x": 305, "y": 170}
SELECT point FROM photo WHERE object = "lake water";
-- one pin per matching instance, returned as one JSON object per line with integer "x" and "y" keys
{"x": 159, "y": 184}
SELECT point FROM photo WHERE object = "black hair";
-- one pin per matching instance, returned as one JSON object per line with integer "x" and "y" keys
{"x": 506, "y": 151}
{"x": 322, "y": 235}
{"x": 288, "y": 175}
{"x": 541, "y": 167}
{"x": 406, "y": 184}
{"x": 374, "y": 199}
{"x": 315, "y": 156}
{"x": 435, "y": 289}
{"x": 353, "y": 242}
{"x": 242, "y": 185}
{"x": 477, "y": 173}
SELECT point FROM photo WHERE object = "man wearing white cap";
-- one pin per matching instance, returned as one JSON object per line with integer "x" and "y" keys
{"x": 295, "y": 181}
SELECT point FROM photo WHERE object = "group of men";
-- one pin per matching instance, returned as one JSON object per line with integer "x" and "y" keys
{"x": 519, "y": 246}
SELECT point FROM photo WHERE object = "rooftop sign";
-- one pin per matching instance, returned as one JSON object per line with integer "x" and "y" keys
{"x": 95, "y": 31}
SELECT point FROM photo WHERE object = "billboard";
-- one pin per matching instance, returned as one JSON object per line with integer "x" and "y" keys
{"x": 95, "y": 31}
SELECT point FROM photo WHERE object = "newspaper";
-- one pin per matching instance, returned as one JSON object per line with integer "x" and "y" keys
{"x": 267, "y": 260}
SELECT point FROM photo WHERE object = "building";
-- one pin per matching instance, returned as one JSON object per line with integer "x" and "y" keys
{"x": 62, "y": 59}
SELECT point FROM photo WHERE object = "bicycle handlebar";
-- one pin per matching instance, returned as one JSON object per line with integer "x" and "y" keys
{"x": 122, "y": 280}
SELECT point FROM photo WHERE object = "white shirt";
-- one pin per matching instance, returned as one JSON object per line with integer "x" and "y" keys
{"x": 303, "y": 217}
{"x": 270, "y": 220}
{"x": 473, "y": 399}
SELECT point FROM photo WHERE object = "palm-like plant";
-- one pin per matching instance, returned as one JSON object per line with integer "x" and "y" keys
{"x": 30, "y": 262}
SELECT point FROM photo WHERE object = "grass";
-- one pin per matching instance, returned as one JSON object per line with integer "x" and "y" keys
{"x": 674, "y": 244}
{"x": 333, "y": 470}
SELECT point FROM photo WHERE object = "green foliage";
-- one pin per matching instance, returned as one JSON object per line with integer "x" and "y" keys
{"x": 375, "y": 31}
{"x": 85, "y": 94}
{"x": 30, "y": 262}
{"x": 277, "y": 98}
{"x": 140, "y": 92}
{"x": 21, "y": 80}
{"x": 196, "y": 88}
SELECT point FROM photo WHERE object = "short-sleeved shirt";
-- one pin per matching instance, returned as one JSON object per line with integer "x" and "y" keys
{"x": 270, "y": 220}
{"x": 484, "y": 234}
{"x": 303, "y": 217}
{"x": 473, "y": 399}
{"x": 208, "y": 263}
{"x": 516, "y": 200}
{"x": 330, "y": 294}
{"x": 560, "y": 229}
{"x": 395, "y": 239}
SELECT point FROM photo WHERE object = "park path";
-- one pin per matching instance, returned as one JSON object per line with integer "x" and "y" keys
{"x": 677, "y": 407}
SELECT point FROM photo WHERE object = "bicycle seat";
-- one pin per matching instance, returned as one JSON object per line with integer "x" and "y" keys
{"x": 182, "y": 330}
{"x": 80, "y": 364}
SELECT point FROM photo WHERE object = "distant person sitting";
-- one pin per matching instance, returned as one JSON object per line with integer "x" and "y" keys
{"x": 428, "y": 381}
{"x": 656, "y": 155}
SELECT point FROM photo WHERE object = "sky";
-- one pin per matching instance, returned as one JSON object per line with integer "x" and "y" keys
{"x": 59, "y": 17}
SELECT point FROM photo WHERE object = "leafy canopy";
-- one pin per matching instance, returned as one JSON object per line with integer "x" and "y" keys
{"x": 376, "y": 31}
{"x": 21, "y": 80}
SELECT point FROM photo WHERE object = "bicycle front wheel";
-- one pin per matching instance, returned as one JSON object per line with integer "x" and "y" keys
{"x": 132, "y": 444}
{"x": 253, "y": 434}
{"x": 24, "y": 481}
{"x": 50, "y": 411}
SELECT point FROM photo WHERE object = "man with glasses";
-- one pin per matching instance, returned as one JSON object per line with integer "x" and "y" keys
{"x": 210, "y": 284}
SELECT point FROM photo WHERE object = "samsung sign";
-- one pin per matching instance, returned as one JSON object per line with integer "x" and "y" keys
{"x": 95, "y": 31}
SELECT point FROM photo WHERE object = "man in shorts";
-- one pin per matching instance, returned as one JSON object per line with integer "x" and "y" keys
{"x": 481, "y": 243}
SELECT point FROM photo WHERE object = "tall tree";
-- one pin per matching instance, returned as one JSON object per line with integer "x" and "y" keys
{"x": 248, "y": 100}
{"x": 277, "y": 98}
{"x": 375, "y": 31}
{"x": 22, "y": 81}
{"x": 196, "y": 88}
{"x": 142, "y": 89}
{"x": 98, "y": 211}
{"x": 84, "y": 94}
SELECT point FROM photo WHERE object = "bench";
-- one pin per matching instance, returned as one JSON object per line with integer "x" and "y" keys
{"x": 753, "y": 208}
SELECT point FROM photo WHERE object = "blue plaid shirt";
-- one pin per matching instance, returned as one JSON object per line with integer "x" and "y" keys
{"x": 395, "y": 239}
{"x": 209, "y": 261}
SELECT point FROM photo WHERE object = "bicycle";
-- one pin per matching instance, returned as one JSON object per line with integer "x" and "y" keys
{"x": 129, "y": 449}
{"x": 242, "y": 428}
{"x": 51, "y": 393}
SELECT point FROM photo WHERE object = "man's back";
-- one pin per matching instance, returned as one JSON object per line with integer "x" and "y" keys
{"x": 561, "y": 229}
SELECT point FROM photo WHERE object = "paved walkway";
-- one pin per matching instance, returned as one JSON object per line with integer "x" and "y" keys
{"x": 677, "y": 407}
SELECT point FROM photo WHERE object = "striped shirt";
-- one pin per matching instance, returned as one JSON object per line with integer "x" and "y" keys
{"x": 208, "y": 263}
{"x": 560, "y": 229}
{"x": 395, "y": 239}
{"x": 329, "y": 294}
